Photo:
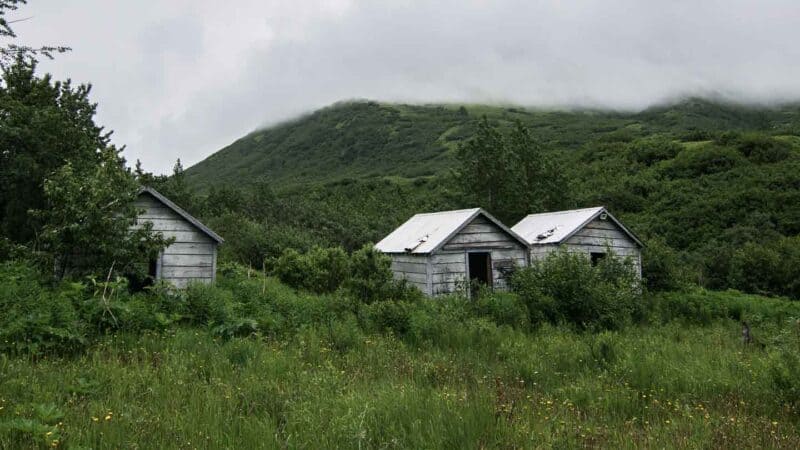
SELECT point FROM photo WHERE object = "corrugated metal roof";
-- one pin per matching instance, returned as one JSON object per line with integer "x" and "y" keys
{"x": 191, "y": 219}
{"x": 555, "y": 227}
{"x": 425, "y": 233}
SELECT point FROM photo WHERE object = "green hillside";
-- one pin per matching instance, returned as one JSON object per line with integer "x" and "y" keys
{"x": 369, "y": 139}
{"x": 714, "y": 189}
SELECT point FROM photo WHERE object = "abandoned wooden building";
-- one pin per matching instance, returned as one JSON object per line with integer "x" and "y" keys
{"x": 590, "y": 231}
{"x": 193, "y": 255}
{"x": 441, "y": 252}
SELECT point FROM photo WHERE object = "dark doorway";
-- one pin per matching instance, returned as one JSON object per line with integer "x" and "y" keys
{"x": 480, "y": 268}
{"x": 138, "y": 281}
{"x": 596, "y": 257}
{"x": 152, "y": 268}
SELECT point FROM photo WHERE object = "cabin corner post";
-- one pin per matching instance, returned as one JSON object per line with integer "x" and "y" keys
{"x": 429, "y": 273}
{"x": 159, "y": 263}
{"x": 214, "y": 264}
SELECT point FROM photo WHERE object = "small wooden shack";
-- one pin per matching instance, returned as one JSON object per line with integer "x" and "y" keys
{"x": 590, "y": 231}
{"x": 193, "y": 255}
{"x": 441, "y": 252}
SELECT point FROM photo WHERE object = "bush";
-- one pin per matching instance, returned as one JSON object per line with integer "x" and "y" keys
{"x": 567, "y": 288}
{"x": 388, "y": 315}
{"x": 371, "y": 275}
{"x": 763, "y": 149}
{"x": 662, "y": 269}
{"x": 650, "y": 151}
{"x": 767, "y": 269}
{"x": 705, "y": 160}
{"x": 208, "y": 305}
{"x": 366, "y": 274}
{"x": 36, "y": 319}
{"x": 504, "y": 308}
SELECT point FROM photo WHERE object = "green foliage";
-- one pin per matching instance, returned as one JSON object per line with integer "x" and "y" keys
{"x": 768, "y": 269}
{"x": 704, "y": 307}
{"x": 89, "y": 216}
{"x": 334, "y": 380}
{"x": 371, "y": 276}
{"x": 64, "y": 189}
{"x": 652, "y": 150}
{"x": 503, "y": 308}
{"x": 510, "y": 175}
{"x": 567, "y": 288}
{"x": 702, "y": 178}
{"x": 318, "y": 270}
{"x": 36, "y": 319}
{"x": 662, "y": 267}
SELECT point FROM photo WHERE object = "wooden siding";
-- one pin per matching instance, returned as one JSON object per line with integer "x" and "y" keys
{"x": 413, "y": 269}
{"x": 445, "y": 271}
{"x": 193, "y": 255}
{"x": 598, "y": 236}
{"x": 450, "y": 271}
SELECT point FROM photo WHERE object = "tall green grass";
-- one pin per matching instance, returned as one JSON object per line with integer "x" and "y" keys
{"x": 475, "y": 385}
{"x": 324, "y": 371}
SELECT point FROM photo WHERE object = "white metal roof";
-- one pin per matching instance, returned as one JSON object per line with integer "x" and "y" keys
{"x": 556, "y": 227}
{"x": 425, "y": 233}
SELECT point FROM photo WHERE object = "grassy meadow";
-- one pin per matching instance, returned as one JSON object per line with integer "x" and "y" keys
{"x": 324, "y": 373}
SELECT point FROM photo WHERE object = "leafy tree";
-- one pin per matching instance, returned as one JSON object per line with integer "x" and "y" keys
{"x": 64, "y": 189}
{"x": 544, "y": 185}
{"x": 43, "y": 125}
{"x": 485, "y": 167}
{"x": 90, "y": 219}
{"x": 510, "y": 175}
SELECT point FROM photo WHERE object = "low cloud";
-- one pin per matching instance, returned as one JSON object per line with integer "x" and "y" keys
{"x": 181, "y": 79}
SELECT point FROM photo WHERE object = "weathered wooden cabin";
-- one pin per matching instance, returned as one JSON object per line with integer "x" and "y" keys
{"x": 442, "y": 252}
{"x": 590, "y": 231}
{"x": 193, "y": 255}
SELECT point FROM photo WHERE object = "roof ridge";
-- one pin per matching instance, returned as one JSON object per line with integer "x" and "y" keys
{"x": 446, "y": 212}
{"x": 566, "y": 211}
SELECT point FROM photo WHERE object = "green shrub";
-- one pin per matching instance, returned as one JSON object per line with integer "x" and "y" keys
{"x": 694, "y": 162}
{"x": 662, "y": 268}
{"x": 291, "y": 268}
{"x": 700, "y": 306}
{"x": 650, "y": 151}
{"x": 503, "y": 308}
{"x": 767, "y": 269}
{"x": 388, "y": 315}
{"x": 567, "y": 288}
{"x": 36, "y": 319}
{"x": 763, "y": 149}
{"x": 371, "y": 274}
{"x": 366, "y": 274}
{"x": 206, "y": 304}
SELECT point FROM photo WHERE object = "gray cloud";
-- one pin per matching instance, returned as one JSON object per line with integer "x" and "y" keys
{"x": 184, "y": 78}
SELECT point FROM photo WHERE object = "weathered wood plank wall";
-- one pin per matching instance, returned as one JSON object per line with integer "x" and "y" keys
{"x": 193, "y": 255}
{"x": 598, "y": 236}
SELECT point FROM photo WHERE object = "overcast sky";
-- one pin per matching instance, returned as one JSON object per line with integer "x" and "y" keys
{"x": 184, "y": 78}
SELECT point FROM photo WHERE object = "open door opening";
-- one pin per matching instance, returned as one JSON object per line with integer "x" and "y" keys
{"x": 480, "y": 270}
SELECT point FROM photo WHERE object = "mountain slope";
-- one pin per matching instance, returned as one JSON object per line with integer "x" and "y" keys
{"x": 368, "y": 139}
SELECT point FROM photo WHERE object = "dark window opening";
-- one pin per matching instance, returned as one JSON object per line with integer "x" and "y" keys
{"x": 480, "y": 270}
{"x": 596, "y": 257}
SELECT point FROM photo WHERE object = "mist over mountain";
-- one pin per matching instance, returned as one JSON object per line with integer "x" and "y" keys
{"x": 364, "y": 139}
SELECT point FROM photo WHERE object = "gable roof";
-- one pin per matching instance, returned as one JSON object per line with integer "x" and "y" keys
{"x": 189, "y": 218}
{"x": 556, "y": 227}
{"x": 427, "y": 233}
